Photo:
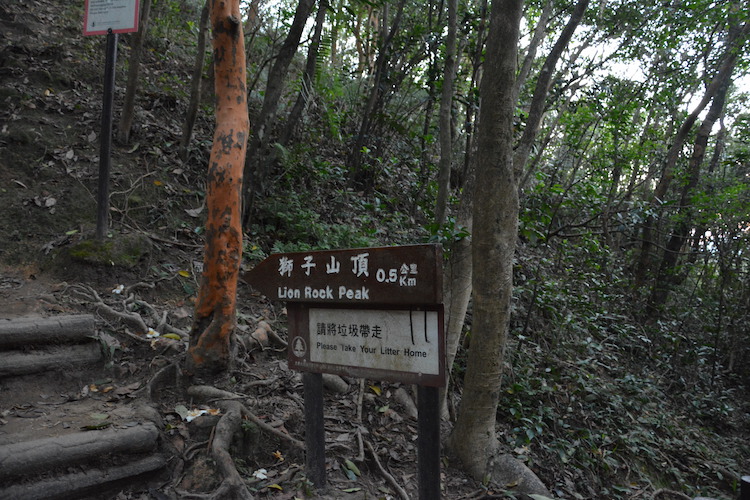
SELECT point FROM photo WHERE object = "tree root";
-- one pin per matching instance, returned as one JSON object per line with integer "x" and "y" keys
{"x": 233, "y": 486}
{"x": 166, "y": 374}
{"x": 133, "y": 319}
{"x": 208, "y": 393}
{"x": 667, "y": 494}
{"x": 387, "y": 475}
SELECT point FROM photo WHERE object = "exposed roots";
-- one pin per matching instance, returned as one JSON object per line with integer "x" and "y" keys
{"x": 232, "y": 486}
{"x": 387, "y": 475}
{"x": 127, "y": 310}
{"x": 208, "y": 393}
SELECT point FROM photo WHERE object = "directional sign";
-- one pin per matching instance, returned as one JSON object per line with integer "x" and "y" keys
{"x": 403, "y": 275}
{"x": 401, "y": 345}
{"x": 101, "y": 16}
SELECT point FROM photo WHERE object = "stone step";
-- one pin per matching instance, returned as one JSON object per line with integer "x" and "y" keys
{"x": 60, "y": 436}
{"x": 36, "y": 344}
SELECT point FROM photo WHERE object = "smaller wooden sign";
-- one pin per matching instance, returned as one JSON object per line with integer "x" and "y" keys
{"x": 102, "y": 17}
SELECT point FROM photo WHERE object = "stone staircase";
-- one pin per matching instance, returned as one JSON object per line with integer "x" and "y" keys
{"x": 61, "y": 437}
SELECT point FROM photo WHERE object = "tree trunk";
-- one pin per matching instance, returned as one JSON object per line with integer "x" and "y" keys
{"x": 216, "y": 303}
{"x": 457, "y": 283}
{"x": 195, "y": 85}
{"x": 539, "y": 31}
{"x": 308, "y": 77}
{"x": 543, "y": 82}
{"x": 446, "y": 127}
{"x": 254, "y": 171}
{"x": 40, "y": 455}
{"x": 473, "y": 439}
{"x": 355, "y": 155}
{"x": 134, "y": 65}
{"x": 472, "y": 100}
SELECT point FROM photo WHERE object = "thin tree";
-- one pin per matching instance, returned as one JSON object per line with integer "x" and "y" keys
{"x": 134, "y": 65}
{"x": 195, "y": 85}
{"x": 667, "y": 273}
{"x": 648, "y": 240}
{"x": 376, "y": 91}
{"x": 308, "y": 77}
{"x": 215, "y": 306}
{"x": 494, "y": 234}
{"x": 543, "y": 83}
{"x": 446, "y": 106}
{"x": 255, "y": 165}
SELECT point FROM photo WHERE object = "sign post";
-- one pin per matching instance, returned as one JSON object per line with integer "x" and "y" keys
{"x": 108, "y": 17}
{"x": 373, "y": 313}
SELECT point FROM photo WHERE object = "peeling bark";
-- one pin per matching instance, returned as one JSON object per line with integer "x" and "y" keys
{"x": 216, "y": 303}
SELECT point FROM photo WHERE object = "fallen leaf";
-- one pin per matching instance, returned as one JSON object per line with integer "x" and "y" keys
{"x": 350, "y": 474}
{"x": 184, "y": 274}
{"x": 127, "y": 389}
{"x": 194, "y": 212}
{"x": 96, "y": 427}
{"x": 182, "y": 411}
{"x": 377, "y": 390}
{"x": 352, "y": 467}
{"x": 172, "y": 336}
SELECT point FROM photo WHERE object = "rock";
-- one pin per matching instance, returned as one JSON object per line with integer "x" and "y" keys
{"x": 513, "y": 474}
{"x": 403, "y": 397}
{"x": 334, "y": 383}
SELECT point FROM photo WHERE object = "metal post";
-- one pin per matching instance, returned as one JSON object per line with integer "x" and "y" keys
{"x": 428, "y": 442}
{"x": 105, "y": 150}
{"x": 315, "y": 442}
{"x": 745, "y": 488}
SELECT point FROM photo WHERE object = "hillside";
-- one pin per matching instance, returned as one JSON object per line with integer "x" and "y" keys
{"x": 598, "y": 402}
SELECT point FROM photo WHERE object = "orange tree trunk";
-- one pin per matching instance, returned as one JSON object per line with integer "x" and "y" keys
{"x": 215, "y": 306}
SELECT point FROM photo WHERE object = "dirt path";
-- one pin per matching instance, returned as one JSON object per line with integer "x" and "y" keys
{"x": 136, "y": 386}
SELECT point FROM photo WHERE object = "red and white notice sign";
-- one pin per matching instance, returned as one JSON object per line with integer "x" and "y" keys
{"x": 101, "y": 16}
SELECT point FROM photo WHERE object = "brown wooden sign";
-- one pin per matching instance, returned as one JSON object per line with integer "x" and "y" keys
{"x": 402, "y": 275}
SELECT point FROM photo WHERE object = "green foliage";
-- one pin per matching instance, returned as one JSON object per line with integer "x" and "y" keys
{"x": 448, "y": 233}
{"x": 294, "y": 226}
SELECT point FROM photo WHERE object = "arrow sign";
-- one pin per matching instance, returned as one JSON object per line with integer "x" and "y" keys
{"x": 406, "y": 275}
